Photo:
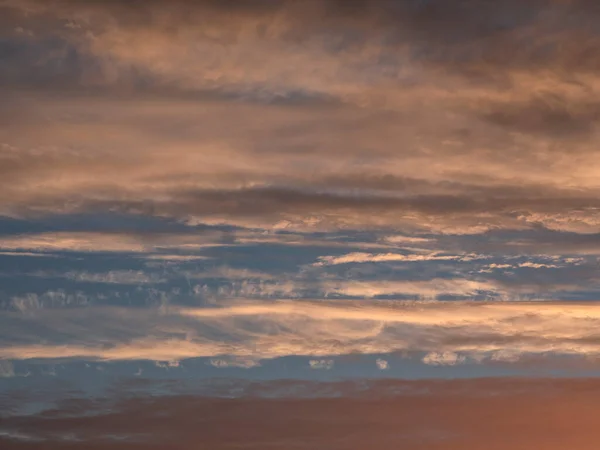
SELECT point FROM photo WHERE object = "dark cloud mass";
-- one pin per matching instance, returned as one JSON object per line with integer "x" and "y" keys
{"x": 309, "y": 190}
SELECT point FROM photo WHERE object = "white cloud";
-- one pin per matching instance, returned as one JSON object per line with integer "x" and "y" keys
{"x": 533, "y": 265}
{"x": 39, "y": 255}
{"x": 231, "y": 273}
{"x": 325, "y": 364}
{"x": 428, "y": 289}
{"x": 50, "y": 299}
{"x": 530, "y": 265}
{"x": 167, "y": 364}
{"x": 443, "y": 359}
{"x": 243, "y": 363}
{"x": 382, "y": 364}
{"x": 115, "y": 277}
{"x": 584, "y": 221}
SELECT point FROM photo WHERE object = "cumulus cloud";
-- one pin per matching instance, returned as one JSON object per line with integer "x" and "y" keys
{"x": 382, "y": 364}
{"x": 32, "y": 302}
{"x": 443, "y": 359}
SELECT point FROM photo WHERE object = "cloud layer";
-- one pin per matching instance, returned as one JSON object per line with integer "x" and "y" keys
{"x": 449, "y": 118}
{"x": 163, "y": 162}
{"x": 443, "y": 333}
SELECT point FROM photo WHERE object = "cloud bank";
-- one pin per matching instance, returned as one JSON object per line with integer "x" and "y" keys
{"x": 243, "y": 334}
{"x": 387, "y": 113}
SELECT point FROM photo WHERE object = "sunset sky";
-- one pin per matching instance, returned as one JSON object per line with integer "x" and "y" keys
{"x": 287, "y": 210}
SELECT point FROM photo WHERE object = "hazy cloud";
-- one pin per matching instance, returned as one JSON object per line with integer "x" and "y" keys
{"x": 242, "y": 335}
{"x": 184, "y": 154}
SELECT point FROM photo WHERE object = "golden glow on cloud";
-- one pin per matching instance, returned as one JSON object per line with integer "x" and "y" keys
{"x": 301, "y": 190}
{"x": 261, "y": 116}
{"x": 449, "y": 333}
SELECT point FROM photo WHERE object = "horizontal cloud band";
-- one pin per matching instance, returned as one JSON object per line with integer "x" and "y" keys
{"x": 448, "y": 332}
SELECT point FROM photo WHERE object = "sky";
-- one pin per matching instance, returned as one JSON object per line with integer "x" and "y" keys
{"x": 332, "y": 212}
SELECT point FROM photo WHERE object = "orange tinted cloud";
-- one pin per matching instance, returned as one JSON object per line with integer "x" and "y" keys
{"x": 445, "y": 118}
{"x": 449, "y": 333}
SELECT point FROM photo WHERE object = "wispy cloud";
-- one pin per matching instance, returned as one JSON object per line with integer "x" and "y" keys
{"x": 114, "y": 277}
{"x": 426, "y": 289}
{"x": 110, "y": 242}
{"x": 447, "y": 333}
{"x": 385, "y": 257}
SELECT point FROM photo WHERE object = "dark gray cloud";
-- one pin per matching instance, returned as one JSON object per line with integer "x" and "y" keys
{"x": 548, "y": 115}
{"x": 481, "y": 39}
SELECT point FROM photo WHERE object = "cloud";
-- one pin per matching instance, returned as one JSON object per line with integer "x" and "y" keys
{"x": 358, "y": 257}
{"x": 326, "y": 364}
{"x": 114, "y": 277}
{"x": 109, "y": 242}
{"x": 443, "y": 359}
{"x": 529, "y": 265}
{"x": 244, "y": 363}
{"x": 427, "y": 150}
{"x": 333, "y": 88}
{"x": 167, "y": 364}
{"x": 546, "y": 115}
{"x": 426, "y": 289}
{"x": 382, "y": 364}
{"x": 533, "y": 265}
{"x": 445, "y": 332}
{"x": 7, "y": 369}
